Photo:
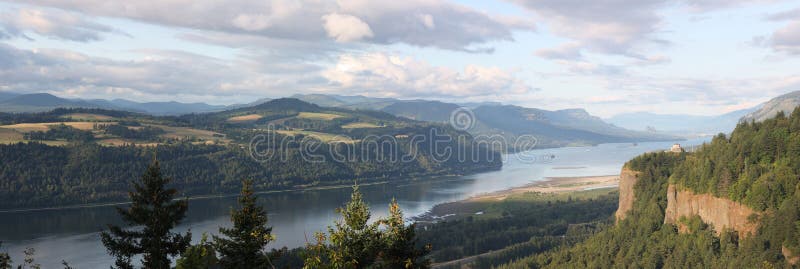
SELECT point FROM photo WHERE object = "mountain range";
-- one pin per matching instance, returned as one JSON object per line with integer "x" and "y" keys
{"x": 551, "y": 128}
{"x": 784, "y": 103}
{"x": 680, "y": 124}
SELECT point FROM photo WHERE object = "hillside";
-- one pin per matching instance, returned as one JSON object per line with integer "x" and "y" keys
{"x": 41, "y": 102}
{"x": 735, "y": 203}
{"x": 89, "y": 155}
{"x": 552, "y": 128}
{"x": 784, "y": 103}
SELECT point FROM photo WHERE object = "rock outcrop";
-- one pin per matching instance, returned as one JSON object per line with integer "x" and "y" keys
{"x": 720, "y": 213}
{"x": 790, "y": 257}
{"x": 627, "y": 179}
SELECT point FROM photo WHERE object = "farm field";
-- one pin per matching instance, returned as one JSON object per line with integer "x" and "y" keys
{"x": 318, "y": 116}
{"x": 360, "y": 125}
{"x": 245, "y": 118}
{"x": 88, "y": 117}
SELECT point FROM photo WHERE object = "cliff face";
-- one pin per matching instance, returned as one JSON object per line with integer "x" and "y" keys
{"x": 627, "y": 179}
{"x": 718, "y": 212}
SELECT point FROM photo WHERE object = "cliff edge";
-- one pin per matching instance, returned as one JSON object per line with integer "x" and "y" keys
{"x": 627, "y": 180}
{"x": 720, "y": 213}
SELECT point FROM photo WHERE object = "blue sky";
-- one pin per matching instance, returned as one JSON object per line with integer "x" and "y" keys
{"x": 608, "y": 56}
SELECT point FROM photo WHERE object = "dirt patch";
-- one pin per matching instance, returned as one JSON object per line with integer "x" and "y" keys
{"x": 245, "y": 118}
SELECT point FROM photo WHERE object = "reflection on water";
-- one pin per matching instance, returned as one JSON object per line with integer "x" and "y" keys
{"x": 72, "y": 234}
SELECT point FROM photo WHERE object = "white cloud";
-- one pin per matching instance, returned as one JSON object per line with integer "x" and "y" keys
{"x": 787, "y": 38}
{"x": 412, "y": 22}
{"x": 604, "y": 26}
{"x": 156, "y": 72}
{"x": 50, "y": 23}
{"x": 346, "y": 28}
{"x": 175, "y": 73}
{"x": 427, "y": 20}
{"x": 392, "y": 76}
{"x": 568, "y": 51}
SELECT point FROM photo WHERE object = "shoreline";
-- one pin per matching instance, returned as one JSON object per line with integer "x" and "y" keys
{"x": 553, "y": 185}
{"x": 300, "y": 188}
{"x": 550, "y": 185}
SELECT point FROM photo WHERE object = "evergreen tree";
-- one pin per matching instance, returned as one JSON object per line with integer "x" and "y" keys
{"x": 245, "y": 242}
{"x": 5, "y": 259}
{"x": 200, "y": 256}
{"x": 152, "y": 207}
{"x": 354, "y": 243}
{"x": 400, "y": 241}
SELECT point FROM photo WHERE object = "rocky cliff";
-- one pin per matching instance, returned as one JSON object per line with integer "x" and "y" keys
{"x": 627, "y": 179}
{"x": 718, "y": 212}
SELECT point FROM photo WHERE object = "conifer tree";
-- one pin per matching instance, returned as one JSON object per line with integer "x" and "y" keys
{"x": 354, "y": 243}
{"x": 245, "y": 242}
{"x": 200, "y": 256}
{"x": 152, "y": 207}
{"x": 400, "y": 250}
{"x": 5, "y": 259}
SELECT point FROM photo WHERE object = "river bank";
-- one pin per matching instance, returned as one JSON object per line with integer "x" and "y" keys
{"x": 551, "y": 186}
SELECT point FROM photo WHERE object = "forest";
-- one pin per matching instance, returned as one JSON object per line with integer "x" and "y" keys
{"x": 208, "y": 154}
{"x": 757, "y": 165}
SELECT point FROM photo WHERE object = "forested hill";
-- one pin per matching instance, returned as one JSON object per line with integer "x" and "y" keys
{"x": 757, "y": 166}
{"x": 77, "y": 156}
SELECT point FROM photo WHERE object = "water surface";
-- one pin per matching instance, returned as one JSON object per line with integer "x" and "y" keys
{"x": 72, "y": 234}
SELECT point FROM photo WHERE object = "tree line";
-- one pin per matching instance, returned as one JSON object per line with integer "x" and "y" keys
{"x": 156, "y": 209}
{"x": 756, "y": 165}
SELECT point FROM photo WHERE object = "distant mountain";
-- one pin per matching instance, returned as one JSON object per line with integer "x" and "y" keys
{"x": 556, "y": 128}
{"x": 7, "y": 95}
{"x": 679, "y": 124}
{"x": 351, "y": 102}
{"x": 166, "y": 108}
{"x": 551, "y": 128}
{"x": 40, "y": 102}
{"x": 785, "y": 103}
{"x": 422, "y": 110}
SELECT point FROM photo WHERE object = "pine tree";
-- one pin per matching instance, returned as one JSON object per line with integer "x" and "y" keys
{"x": 200, "y": 256}
{"x": 152, "y": 207}
{"x": 354, "y": 242}
{"x": 245, "y": 242}
{"x": 5, "y": 259}
{"x": 400, "y": 250}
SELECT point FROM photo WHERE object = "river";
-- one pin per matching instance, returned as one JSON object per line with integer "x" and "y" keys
{"x": 73, "y": 234}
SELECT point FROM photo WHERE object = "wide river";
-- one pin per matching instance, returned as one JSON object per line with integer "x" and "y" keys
{"x": 73, "y": 234}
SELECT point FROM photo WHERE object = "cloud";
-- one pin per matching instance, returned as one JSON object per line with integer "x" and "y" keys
{"x": 423, "y": 23}
{"x": 155, "y": 73}
{"x": 568, "y": 51}
{"x": 604, "y": 26}
{"x": 50, "y": 23}
{"x": 176, "y": 74}
{"x": 392, "y": 76}
{"x": 787, "y": 38}
{"x": 346, "y": 28}
{"x": 581, "y": 67}
{"x": 711, "y": 5}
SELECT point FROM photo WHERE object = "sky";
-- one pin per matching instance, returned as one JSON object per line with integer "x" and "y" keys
{"x": 700, "y": 57}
